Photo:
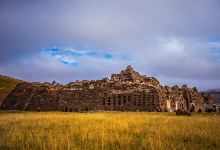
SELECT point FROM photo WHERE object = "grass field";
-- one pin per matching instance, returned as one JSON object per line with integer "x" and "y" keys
{"x": 108, "y": 130}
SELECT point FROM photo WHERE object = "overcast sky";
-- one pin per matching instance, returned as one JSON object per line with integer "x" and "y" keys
{"x": 177, "y": 41}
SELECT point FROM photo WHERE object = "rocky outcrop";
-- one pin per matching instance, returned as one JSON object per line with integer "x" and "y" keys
{"x": 126, "y": 91}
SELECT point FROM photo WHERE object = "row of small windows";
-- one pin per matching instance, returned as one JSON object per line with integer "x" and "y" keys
{"x": 42, "y": 102}
{"x": 123, "y": 100}
{"x": 134, "y": 96}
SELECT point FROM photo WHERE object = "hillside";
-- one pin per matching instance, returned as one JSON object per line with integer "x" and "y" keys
{"x": 6, "y": 85}
{"x": 216, "y": 97}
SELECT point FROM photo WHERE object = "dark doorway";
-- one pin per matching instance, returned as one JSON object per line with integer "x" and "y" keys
{"x": 192, "y": 109}
{"x": 66, "y": 109}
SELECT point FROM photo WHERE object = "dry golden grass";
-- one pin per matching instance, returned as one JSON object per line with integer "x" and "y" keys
{"x": 108, "y": 130}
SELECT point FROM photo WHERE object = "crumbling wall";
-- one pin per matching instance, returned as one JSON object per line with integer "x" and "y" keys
{"x": 127, "y": 91}
{"x": 18, "y": 98}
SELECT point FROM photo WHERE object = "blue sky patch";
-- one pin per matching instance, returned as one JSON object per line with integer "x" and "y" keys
{"x": 72, "y": 56}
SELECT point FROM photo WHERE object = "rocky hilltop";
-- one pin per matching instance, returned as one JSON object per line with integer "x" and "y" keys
{"x": 126, "y": 91}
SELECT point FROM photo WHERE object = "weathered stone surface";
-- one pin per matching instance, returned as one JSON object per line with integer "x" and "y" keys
{"x": 2, "y": 96}
{"x": 126, "y": 91}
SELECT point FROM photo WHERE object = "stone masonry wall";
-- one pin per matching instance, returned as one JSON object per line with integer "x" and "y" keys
{"x": 127, "y": 91}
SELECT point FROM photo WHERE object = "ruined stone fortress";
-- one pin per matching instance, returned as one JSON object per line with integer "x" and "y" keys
{"x": 126, "y": 91}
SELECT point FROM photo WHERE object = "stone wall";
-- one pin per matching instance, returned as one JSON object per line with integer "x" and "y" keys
{"x": 126, "y": 91}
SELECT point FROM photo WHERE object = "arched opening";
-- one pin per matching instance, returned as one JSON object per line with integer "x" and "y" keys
{"x": 192, "y": 109}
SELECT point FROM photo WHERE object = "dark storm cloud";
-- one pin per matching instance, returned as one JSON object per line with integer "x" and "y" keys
{"x": 174, "y": 40}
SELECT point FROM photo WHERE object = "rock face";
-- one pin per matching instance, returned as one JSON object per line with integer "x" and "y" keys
{"x": 126, "y": 91}
{"x": 2, "y": 97}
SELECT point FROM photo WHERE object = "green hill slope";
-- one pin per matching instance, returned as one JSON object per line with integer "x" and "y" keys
{"x": 6, "y": 85}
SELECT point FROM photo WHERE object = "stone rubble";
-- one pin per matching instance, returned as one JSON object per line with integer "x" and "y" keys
{"x": 126, "y": 91}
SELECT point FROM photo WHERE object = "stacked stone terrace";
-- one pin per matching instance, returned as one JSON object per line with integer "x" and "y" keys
{"x": 126, "y": 91}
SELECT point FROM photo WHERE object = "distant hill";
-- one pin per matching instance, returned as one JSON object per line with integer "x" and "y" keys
{"x": 215, "y": 94}
{"x": 214, "y": 91}
{"x": 6, "y": 85}
{"x": 216, "y": 97}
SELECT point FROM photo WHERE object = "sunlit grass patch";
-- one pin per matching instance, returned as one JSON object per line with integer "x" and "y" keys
{"x": 108, "y": 130}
